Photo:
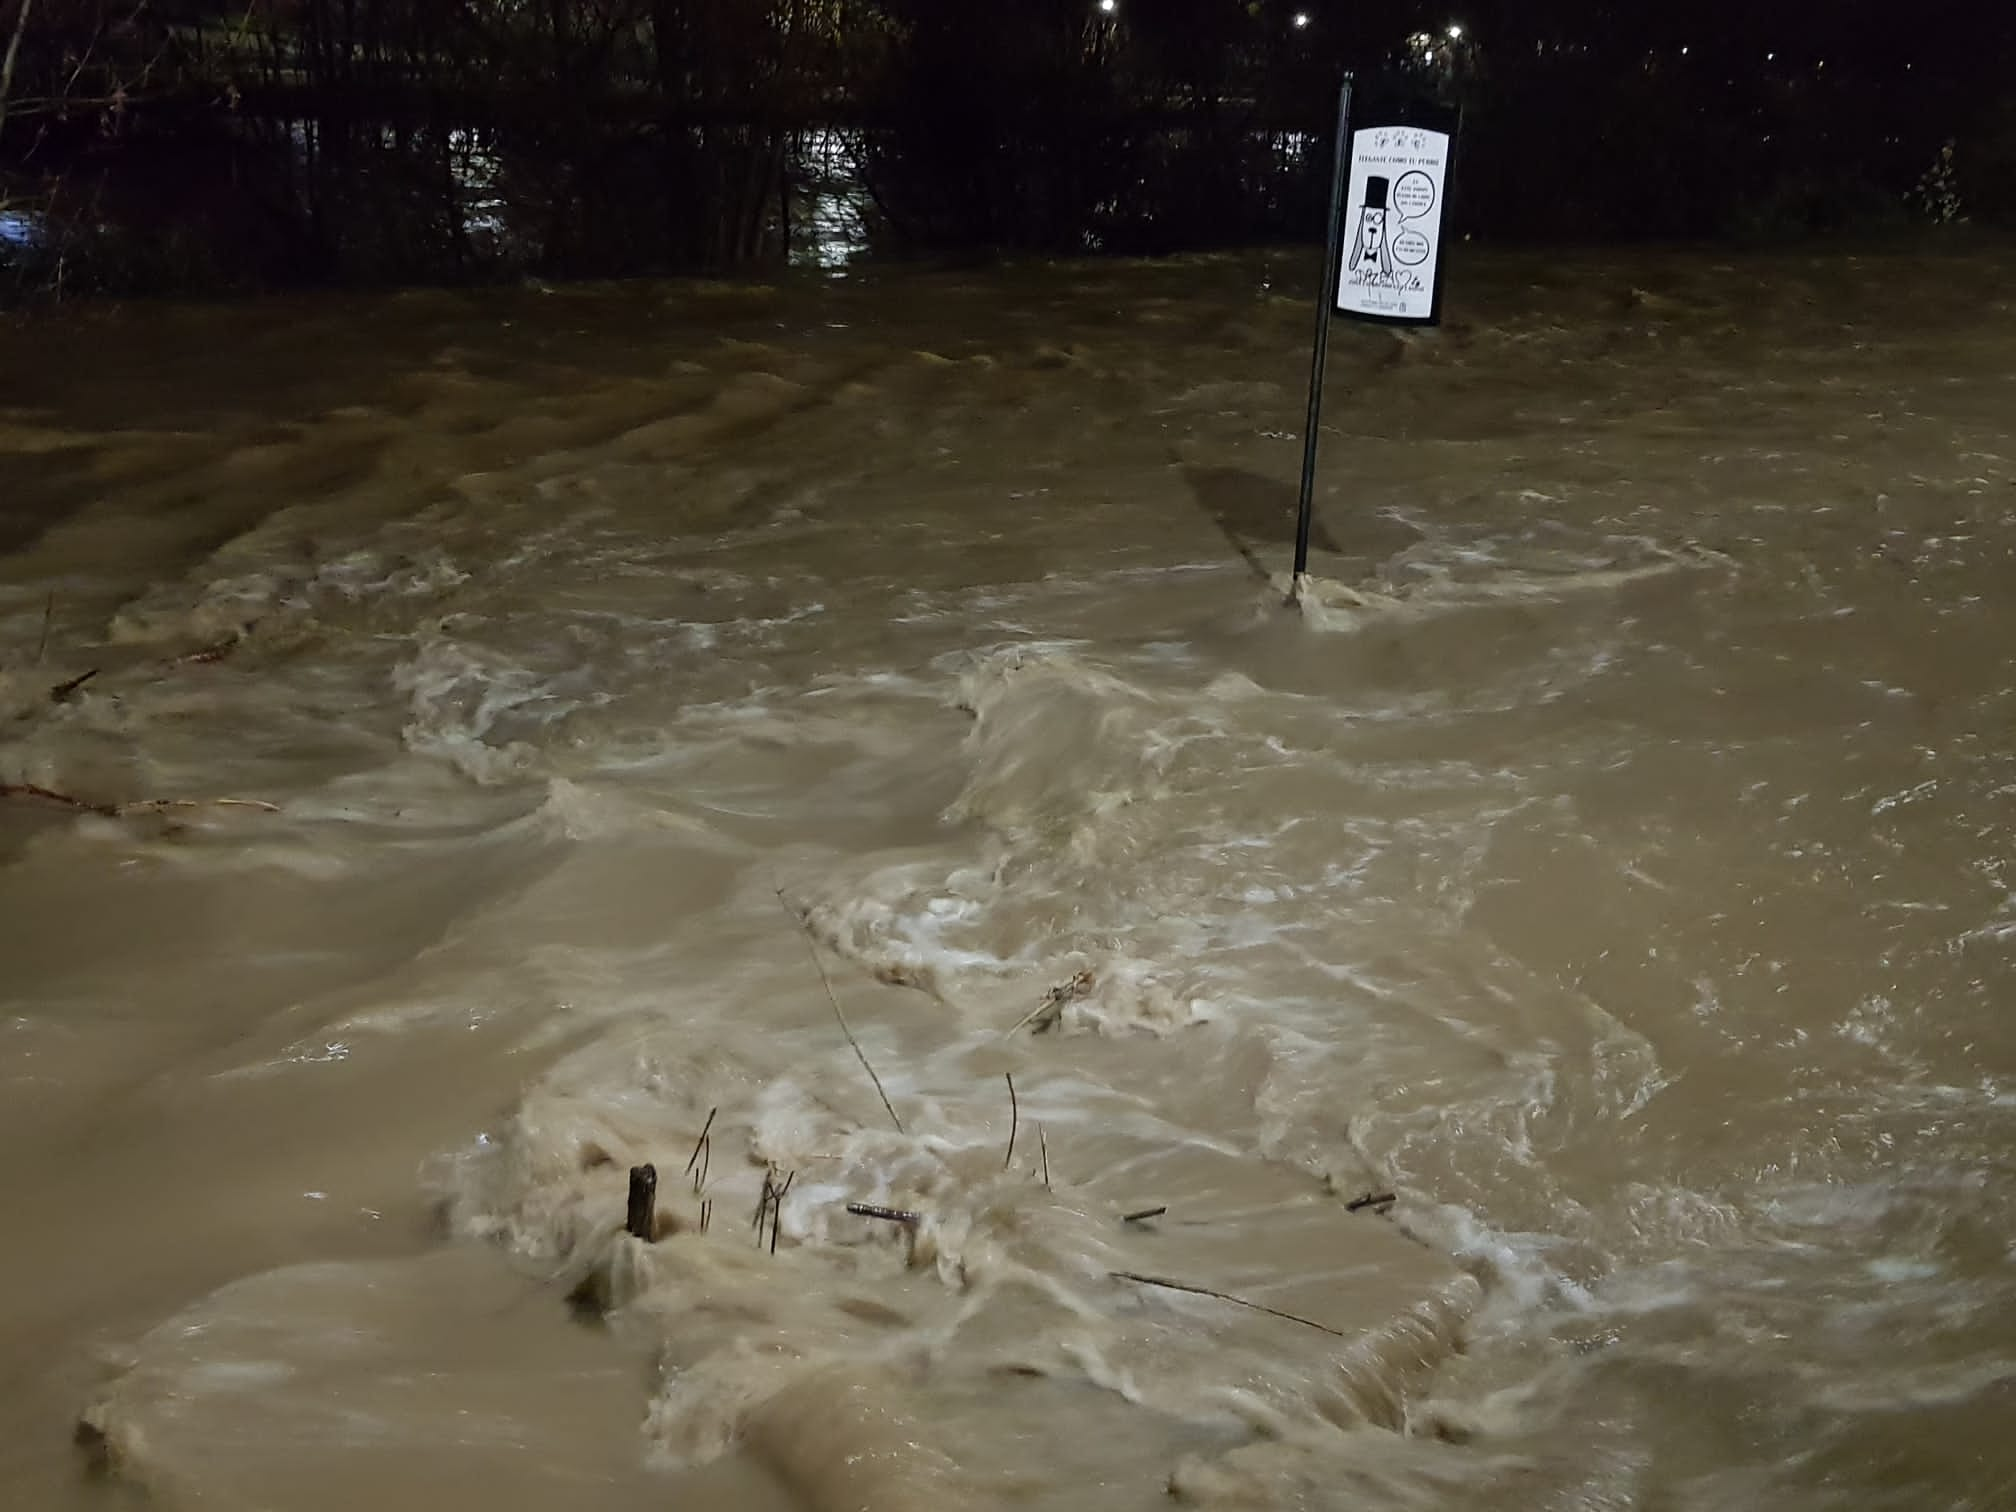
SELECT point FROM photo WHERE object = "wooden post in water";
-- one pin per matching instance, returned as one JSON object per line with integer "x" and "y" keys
{"x": 641, "y": 1218}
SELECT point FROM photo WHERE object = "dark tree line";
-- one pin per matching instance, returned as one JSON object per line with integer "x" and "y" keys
{"x": 205, "y": 142}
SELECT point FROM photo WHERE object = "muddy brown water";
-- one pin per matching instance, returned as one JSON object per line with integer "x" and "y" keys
{"x": 1611, "y": 861}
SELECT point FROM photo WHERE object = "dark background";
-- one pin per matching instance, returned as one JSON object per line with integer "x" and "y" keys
{"x": 205, "y": 144}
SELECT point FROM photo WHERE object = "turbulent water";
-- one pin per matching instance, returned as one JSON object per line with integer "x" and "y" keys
{"x": 1611, "y": 861}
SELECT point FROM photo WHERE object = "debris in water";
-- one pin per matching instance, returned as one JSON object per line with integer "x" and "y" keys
{"x": 1378, "y": 1202}
{"x": 1205, "y": 1291}
{"x": 1144, "y": 1215}
{"x": 216, "y": 651}
{"x": 155, "y": 805}
{"x": 138, "y": 806}
{"x": 906, "y": 974}
{"x": 1043, "y": 1144}
{"x": 1014, "y": 1119}
{"x": 887, "y": 1215}
{"x": 62, "y": 691}
{"x": 48, "y": 795}
{"x": 641, "y": 1216}
{"x": 1050, "y": 1012}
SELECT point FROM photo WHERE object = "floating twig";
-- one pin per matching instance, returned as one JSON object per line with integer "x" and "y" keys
{"x": 706, "y": 1214}
{"x": 706, "y": 1160}
{"x": 812, "y": 947}
{"x": 640, "y": 1219}
{"x": 704, "y": 1128}
{"x": 50, "y": 795}
{"x": 1205, "y": 1291}
{"x": 214, "y": 652}
{"x": 49, "y": 604}
{"x": 887, "y": 1215}
{"x": 1144, "y": 1215}
{"x": 138, "y": 806}
{"x": 63, "y": 690}
{"x": 1043, "y": 1144}
{"x": 1370, "y": 1200}
{"x": 762, "y": 1208}
{"x": 155, "y": 805}
{"x": 1014, "y": 1119}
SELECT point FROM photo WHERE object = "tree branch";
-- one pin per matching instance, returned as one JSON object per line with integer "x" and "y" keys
{"x": 13, "y": 52}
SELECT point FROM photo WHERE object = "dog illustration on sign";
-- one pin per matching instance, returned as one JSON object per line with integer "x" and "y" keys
{"x": 1384, "y": 249}
{"x": 1370, "y": 261}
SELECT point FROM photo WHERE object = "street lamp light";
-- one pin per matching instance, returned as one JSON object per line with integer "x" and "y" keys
{"x": 1301, "y": 20}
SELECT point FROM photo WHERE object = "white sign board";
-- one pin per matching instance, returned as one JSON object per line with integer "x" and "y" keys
{"x": 1393, "y": 223}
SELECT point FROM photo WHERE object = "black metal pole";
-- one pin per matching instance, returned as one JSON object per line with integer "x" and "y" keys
{"x": 1326, "y": 296}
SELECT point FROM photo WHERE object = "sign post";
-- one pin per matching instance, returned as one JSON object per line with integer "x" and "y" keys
{"x": 1333, "y": 252}
{"x": 1382, "y": 259}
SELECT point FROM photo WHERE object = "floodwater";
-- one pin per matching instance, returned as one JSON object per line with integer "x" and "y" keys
{"x": 1611, "y": 862}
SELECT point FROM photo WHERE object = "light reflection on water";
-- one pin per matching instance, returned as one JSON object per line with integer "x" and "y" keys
{"x": 830, "y": 213}
{"x": 469, "y": 200}
{"x": 474, "y": 164}
{"x": 24, "y": 229}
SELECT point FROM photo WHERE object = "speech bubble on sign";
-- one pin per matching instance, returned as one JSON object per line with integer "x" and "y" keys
{"x": 1414, "y": 195}
{"x": 1411, "y": 248}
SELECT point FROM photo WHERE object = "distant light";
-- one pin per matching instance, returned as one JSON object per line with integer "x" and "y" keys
{"x": 1683, "y": 52}
{"x": 1770, "y": 57}
{"x": 1301, "y": 19}
{"x": 1109, "y": 6}
{"x": 1455, "y": 32}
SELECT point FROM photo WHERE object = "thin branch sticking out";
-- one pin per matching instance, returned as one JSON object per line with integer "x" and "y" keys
{"x": 771, "y": 1204}
{"x": 704, "y": 1128}
{"x": 812, "y": 947}
{"x": 1014, "y": 1120}
{"x": 49, "y": 607}
{"x": 1205, "y": 1291}
{"x": 1043, "y": 1144}
{"x": 777, "y": 1209}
